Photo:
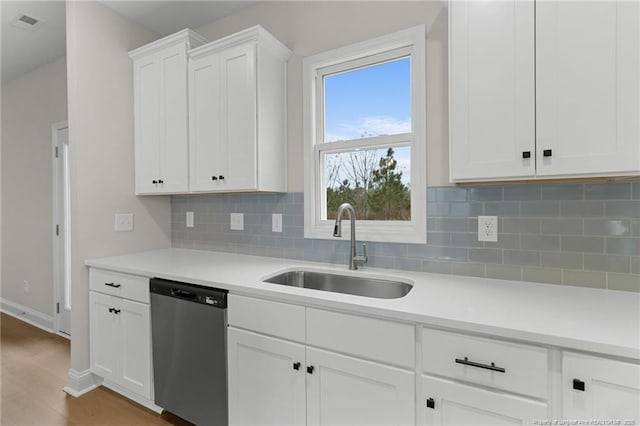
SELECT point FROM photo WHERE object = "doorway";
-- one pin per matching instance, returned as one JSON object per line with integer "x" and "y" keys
{"x": 61, "y": 230}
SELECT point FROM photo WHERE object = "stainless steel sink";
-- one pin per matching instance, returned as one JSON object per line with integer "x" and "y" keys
{"x": 359, "y": 286}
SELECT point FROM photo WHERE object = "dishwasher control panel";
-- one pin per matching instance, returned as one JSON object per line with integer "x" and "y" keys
{"x": 214, "y": 300}
{"x": 214, "y": 297}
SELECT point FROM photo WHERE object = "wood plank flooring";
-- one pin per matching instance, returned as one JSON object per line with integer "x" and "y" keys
{"x": 34, "y": 367}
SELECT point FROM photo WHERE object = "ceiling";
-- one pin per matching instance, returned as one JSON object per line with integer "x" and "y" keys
{"x": 24, "y": 50}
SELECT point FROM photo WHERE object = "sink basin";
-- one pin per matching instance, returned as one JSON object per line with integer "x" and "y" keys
{"x": 359, "y": 286}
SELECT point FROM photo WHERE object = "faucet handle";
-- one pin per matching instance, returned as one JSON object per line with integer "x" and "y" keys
{"x": 361, "y": 259}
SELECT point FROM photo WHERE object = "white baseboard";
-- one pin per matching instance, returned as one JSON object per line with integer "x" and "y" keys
{"x": 81, "y": 382}
{"x": 28, "y": 315}
{"x": 132, "y": 396}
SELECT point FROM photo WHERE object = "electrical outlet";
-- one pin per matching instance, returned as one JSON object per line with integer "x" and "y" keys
{"x": 123, "y": 222}
{"x": 237, "y": 221}
{"x": 488, "y": 228}
{"x": 189, "y": 219}
{"x": 276, "y": 222}
{"x": 26, "y": 286}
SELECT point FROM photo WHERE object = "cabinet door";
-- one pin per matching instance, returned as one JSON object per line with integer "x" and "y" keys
{"x": 264, "y": 386}
{"x": 491, "y": 89}
{"x": 348, "y": 391}
{"x": 453, "y": 404}
{"x": 611, "y": 388}
{"x": 146, "y": 82}
{"x": 105, "y": 340}
{"x": 174, "y": 146}
{"x": 587, "y": 87}
{"x": 136, "y": 347}
{"x": 205, "y": 143}
{"x": 238, "y": 117}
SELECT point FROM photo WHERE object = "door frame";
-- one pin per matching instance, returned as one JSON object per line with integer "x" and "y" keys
{"x": 58, "y": 257}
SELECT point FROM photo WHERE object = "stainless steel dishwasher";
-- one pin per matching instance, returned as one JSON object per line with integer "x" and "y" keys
{"x": 189, "y": 338}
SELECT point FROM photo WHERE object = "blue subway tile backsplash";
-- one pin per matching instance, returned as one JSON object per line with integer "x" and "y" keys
{"x": 584, "y": 234}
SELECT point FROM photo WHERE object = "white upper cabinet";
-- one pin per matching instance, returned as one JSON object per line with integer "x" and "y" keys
{"x": 237, "y": 120}
{"x": 160, "y": 110}
{"x": 585, "y": 89}
{"x": 492, "y": 89}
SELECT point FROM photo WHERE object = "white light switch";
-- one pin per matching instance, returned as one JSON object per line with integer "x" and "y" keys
{"x": 237, "y": 221}
{"x": 276, "y": 222}
{"x": 123, "y": 222}
{"x": 189, "y": 219}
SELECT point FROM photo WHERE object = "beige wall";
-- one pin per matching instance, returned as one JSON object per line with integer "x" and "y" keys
{"x": 30, "y": 105}
{"x": 101, "y": 150}
{"x": 309, "y": 27}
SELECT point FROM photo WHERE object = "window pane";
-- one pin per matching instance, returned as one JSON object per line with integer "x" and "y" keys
{"x": 371, "y": 101}
{"x": 375, "y": 182}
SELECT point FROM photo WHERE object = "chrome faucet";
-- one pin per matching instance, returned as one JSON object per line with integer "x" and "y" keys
{"x": 337, "y": 232}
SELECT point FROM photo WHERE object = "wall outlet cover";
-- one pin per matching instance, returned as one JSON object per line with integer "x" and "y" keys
{"x": 237, "y": 221}
{"x": 123, "y": 222}
{"x": 488, "y": 228}
{"x": 276, "y": 222}
{"x": 189, "y": 219}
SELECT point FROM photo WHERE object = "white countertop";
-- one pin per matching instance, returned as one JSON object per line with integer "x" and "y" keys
{"x": 593, "y": 320}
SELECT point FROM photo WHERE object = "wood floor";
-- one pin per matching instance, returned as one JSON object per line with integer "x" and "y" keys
{"x": 34, "y": 372}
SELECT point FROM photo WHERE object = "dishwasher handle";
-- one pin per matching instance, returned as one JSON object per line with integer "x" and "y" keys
{"x": 176, "y": 292}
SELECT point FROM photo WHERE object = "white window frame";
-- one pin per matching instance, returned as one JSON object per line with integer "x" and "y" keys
{"x": 365, "y": 53}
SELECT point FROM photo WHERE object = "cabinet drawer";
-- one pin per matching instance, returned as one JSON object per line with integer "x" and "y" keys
{"x": 380, "y": 340}
{"x": 524, "y": 368}
{"x": 266, "y": 316}
{"x": 122, "y": 285}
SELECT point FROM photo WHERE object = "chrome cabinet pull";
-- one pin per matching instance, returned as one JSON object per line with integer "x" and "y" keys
{"x": 491, "y": 367}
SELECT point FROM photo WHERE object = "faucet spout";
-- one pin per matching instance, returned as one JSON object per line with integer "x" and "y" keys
{"x": 337, "y": 232}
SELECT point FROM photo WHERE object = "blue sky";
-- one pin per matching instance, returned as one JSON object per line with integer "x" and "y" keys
{"x": 375, "y": 100}
{"x": 370, "y": 102}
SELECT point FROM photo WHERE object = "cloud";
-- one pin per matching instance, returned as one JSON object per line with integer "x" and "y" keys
{"x": 369, "y": 126}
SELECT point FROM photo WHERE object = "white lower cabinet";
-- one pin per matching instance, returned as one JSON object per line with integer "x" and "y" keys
{"x": 276, "y": 382}
{"x": 120, "y": 342}
{"x": 266, "y": 380}
{"x": 104, "y": 335}
{"x": 273, "y": 381}
{"x": 342, "y": 390}
{"x": 453, "y": 404}
{"x": 600, "y": 389}
{"x": 482, "y": 381}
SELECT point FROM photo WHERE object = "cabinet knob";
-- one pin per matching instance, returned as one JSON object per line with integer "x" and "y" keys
{"x": 431, "y": 403}
{"x": 161, "y": 181}
{"x": 310, "y": 369}
{"x": 578, "y": 385}
{"x": 214, "y": 178}
{"x": 296, "y": 366}
{"x": 221, "y": 177}
{"x": 546, "y": 153}
{"x": 526, "y": 154}
{"x": 155, "y": 182}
